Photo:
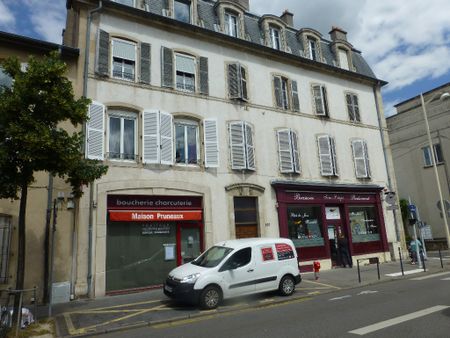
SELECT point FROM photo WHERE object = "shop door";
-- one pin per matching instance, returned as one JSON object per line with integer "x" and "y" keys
{"x": 246, "y": 217}
{"x": 334, "y": 229}
{"x": 189, "y": 244}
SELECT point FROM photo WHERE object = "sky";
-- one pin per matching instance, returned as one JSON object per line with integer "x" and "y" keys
{"x": 406, "y": 42}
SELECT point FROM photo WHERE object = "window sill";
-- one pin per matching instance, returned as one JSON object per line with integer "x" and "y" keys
{"x": 431, "y": 166}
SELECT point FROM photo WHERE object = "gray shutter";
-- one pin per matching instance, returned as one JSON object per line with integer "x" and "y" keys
{"x": 150, "y": 136}
{"x": 285, "y": 151}
{"x": 166, "y": 137}
{"x": 233, "y": 81}
{"x": 145, "y": 63}
{"x": 325, "y": 101}
{"x": 237, "y": 145}
{"x": 102, "y": 67}
{"x": 95, "y": 136}
{"x": 351, "y": 113}
{"x": 243, "y": 83}
{"x": 166, "y": 67}
{"x": 295, "y": 100}
{"x": 249, "y": 147}
{"x": 296, "y": 158}
{"x": 333, "y": 156}
{"x": 318, "y": 100}
{"x": 356, "y": 106}
{"x": 366, "y": 157}
{"x": 325, "y": 155}
{"x": 211, "y": 138}
{"x": 204, "y": 84}
{"x": 359, "y": 158}
{"x": 278, "y": 93}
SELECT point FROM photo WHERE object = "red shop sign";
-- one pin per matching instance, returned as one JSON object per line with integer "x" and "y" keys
{"x": 154, "y": 216}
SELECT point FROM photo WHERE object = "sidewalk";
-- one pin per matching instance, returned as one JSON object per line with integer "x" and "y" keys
{"x": 112, "y": 313}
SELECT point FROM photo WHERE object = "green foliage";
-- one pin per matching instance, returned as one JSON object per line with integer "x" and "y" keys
{"x": 404, "y": 209}
{"x": 31, "y": 137}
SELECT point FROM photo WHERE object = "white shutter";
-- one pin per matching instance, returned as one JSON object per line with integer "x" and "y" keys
{"x": 366, "y": 156}
{"x": 249, "y": 147}
{"x": 211, "y": 143}
{"x": 95, "y": 136}
{"x": 237, "y": 145}
{"x": 150, "y": 136}
{"x": 325, "y": 155}
{"x": 285, "y": 151}
{"x": 333, "y": 156}
{"x": 296, "y": 158}
{"x": 166, "y": 137}
{"x": 359, "y": 158}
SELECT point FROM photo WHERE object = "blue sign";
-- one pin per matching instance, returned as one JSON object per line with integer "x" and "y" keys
{"x": 412, "y": 207}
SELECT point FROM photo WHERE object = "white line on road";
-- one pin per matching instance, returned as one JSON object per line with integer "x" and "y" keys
{"x": 368, "y": 292}
{"x": 339, "y": 298}
{"x": 446, "y": 278}
{"x": 431, "y": 276}
{"x": 394, "y": 321}
{"x": 396, "y": 274}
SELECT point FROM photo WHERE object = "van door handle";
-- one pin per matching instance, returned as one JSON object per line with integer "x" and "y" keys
{"x": 250, "y": 270}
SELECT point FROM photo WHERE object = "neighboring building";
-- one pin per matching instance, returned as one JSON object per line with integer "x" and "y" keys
{"x": 38, "y": 194}
{"x": 413, "y": 159}
{"x": 219, "y": 124}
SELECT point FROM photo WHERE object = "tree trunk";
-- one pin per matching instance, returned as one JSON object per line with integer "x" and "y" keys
{"x": 20, "y": 277}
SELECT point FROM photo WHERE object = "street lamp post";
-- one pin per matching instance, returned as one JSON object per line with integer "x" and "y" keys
{"x": 433, "y": 158}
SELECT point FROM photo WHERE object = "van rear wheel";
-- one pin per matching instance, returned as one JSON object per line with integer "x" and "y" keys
{"x": 287, "y": 285}
{"x": 210, "y": 297}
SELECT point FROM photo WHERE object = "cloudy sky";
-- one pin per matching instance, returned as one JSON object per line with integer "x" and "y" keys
{"x": 407, "y": 42}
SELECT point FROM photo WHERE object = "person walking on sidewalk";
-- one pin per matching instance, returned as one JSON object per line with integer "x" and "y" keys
{"x": 344, "y": 252}
{"x": 414, "y": 246}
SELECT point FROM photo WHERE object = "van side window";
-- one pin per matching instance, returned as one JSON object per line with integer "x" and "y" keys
{"x": 240, "y": 258}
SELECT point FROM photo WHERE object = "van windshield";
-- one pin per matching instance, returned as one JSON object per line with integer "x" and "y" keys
{"x": 212, "y": 257}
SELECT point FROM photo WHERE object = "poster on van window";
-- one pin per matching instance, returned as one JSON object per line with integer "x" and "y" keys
{"x": 284, "y": 251}
{"x": 267, "y": 254}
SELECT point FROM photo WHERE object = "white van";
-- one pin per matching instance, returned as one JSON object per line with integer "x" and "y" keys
{"x": 235, "y": 268}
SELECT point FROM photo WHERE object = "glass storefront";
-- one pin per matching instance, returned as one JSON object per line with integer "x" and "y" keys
{"x": 305, "y": 225}
{"x": 363, "y": 224}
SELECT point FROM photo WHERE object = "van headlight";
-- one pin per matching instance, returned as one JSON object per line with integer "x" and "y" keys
{"x": 190, "y": 279}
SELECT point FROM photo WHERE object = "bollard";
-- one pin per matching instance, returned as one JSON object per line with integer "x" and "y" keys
{"x": 422, "y": 258}
{"x": 378, "y": 268}
{"x": 401, "y": 261}
{"x": 359, "y": 273}
{"x": 316, "y": 267}
{"x": 440, "y": 257}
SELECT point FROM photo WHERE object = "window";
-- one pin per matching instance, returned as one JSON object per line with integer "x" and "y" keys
{"x": 182, "y": 10}
{"x": 305, "y": 225}
{"x": 241, "y": 144}
{"x": 186, "y": 142}
{"x": 275, "y": 38}
{"x": 185, "y": 72}
{"x": 286, "y": 93}
{"x": 231, "y": 24}
{"x": 353, "y": 107}
{"x": 313, "y": 50}
{"x": 124, "y": 59}
{"x": 343, "y": 59}
{"x": 361, "y": 159}
{"x": 237, "y": 82}
{"x": 5, "y": 238}
{"x": 438, "y": 157}
{"x": 157, "y": 137}
{"x": 288, "y": 151}
{"x": 363, "y": 223}
{"x": 246, "y": 216}
{"x": 239, "y": 259}
{"x": 320, "y": 100}
{"x": 95, "y": 131}
{"x": 327, "y": 155}
{"x": 5, "y": 79}
{"x": 122, "y": 135}
{"x": 125, "y": 2}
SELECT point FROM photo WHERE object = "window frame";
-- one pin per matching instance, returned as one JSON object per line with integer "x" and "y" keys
{"x": 430, "y": 154}
{"x": 312, "y": 42}
{"x": 186, "y": 123}
{"x": 247, "y": 144}
{"x": 323, "y": 100}
{"x": 362, "y": 157}
{"x": 275, "y": 42}
{"x": 352, "y": 107}
{"x": 123, "y": 59}
{"x": 176, "y": 71}
{"x": 186, "y": 2}
{"x": 293, "y": 151}
{"x": 334, "y": 172}
{"x": 122, "y": 115}
{"x": 228, "y": 15}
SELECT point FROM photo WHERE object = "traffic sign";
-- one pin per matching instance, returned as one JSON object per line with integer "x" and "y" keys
{"x": 412, "y": 208}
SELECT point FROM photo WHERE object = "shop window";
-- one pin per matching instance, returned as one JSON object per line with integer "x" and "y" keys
{"x": 124, "y": 59}
{"x": 186, "y": 142}
{"x": 427, "y": 156}
{"x": 5, "y": 239}
{"x": 241, "y": 146}
{"x": 353, "y": 107}
{"x": 122, "y": 135}
{"x": 288, "y": 151}
{"x": 246, "y": 217}
{"x": 305, "y": 225}
{"x": 363, "y": 223}
{"x": 182, "y": 10}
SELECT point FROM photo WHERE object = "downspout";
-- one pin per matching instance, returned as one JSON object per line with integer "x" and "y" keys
{"x": 91, "y": 185}
{"x": 377, "y": 85}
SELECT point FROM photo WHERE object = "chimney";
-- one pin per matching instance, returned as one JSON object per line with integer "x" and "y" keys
{"x": 288, "y": 18}
{"x": 243, "y": 3}
{"x": 337, "y": 34}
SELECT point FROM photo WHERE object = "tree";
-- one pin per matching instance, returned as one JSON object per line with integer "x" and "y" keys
{"x": 32, "y": 139}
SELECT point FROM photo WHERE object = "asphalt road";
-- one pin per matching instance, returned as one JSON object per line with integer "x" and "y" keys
{"x": 417, "y": 307}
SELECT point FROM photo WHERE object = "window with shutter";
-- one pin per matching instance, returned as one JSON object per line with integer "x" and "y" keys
{"x": 281, "y": 91}
{"x": 250, "y": 150}
{"x": 211, "y": 138}
{"x": 241, "y": 144}
{"x": 320, "y": 100}
{"x": 360, "y": 158}
{"x": 167, "y": 67}
{"x": 327, "y": 155}
{"x": 124, "y": 59}
{"x": 185, "y": 66}
{"x": 288, "y": 151}
{"x": 204, "y": 82}
{"x": 166, "y": 136}
{"x": 334, "y": 156}
{"x": 294, "y": 139}
{"x": 150, "y": 136}
{"x": 353, "y": 108}
{"x": 95, "y": 131}
{"x": 243, "y": 77}
{"x": 294, "y": 95}
{"x": 237, "y": 82}
{"x": 122, "y": 135}
{"x": 187, "y": 146}
{"x": 145, "y": 63}
{"x": 102, "y": 64}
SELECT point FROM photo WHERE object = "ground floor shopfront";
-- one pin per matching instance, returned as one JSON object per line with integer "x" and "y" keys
{"x": 320, "y": 217}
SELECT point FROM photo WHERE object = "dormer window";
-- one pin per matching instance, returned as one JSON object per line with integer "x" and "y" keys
{"x": 313, "y": 53}
{"x": 231, "y": 24}
{"x": 343, "y": 59}
{"x": 182, "y": 10}
{"x": 125, "y": 2}
{"x": 275, "y": 38}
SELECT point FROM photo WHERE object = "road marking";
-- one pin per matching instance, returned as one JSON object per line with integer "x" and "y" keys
{"x": 368, "y": 292}
{"x": 394, "y": 321}
{"x": 410, "y": 272}
{"x": 339, "y": 298}
{"x": 323, "y": 284}
{"x": 446, "y": 278}
{"x": 431, "y": 276}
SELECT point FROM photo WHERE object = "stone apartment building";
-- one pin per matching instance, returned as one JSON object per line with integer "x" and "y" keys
{"x": 217, "y": 123}
{"x": 413, "y": 159}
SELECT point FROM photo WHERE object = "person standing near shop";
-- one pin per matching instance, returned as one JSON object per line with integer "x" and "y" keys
{"x": 344, "y": 253}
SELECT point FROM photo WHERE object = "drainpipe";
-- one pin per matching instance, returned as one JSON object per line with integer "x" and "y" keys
{"x": 397, "y": 230}
{"x": 91, "y": 185}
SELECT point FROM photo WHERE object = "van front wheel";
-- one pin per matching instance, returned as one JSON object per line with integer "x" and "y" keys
{"x": 287, "y": 286}
{"x": 210, "y": 297}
